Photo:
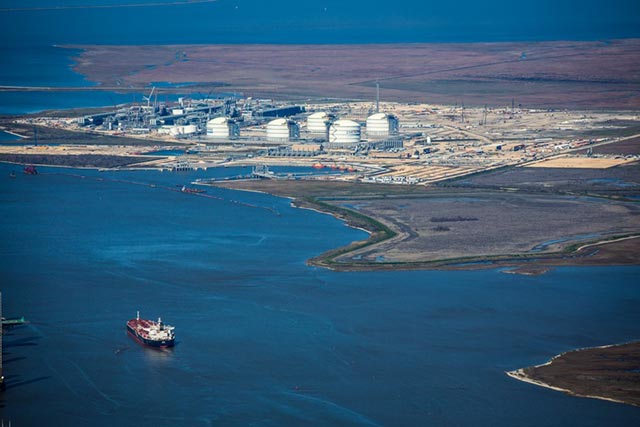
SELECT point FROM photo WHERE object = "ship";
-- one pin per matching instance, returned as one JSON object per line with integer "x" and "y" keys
{"x": 150, "y": 333}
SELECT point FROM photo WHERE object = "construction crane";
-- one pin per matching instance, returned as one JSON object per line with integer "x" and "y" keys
{"x": 148, "y": 98}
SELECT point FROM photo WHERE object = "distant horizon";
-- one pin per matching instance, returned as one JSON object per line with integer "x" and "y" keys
{"x": 162, "y": 22}
{"x": 567, "y": 40}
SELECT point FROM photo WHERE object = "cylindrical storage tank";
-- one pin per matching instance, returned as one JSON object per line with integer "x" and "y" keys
{"x": 189, "y": 129}
{"x": 282, "y": 130}
{"x": 381, "y": 125}
{"x": 318, "y": 123}
{"x": 183, "y": 130}
{"x": 222, "y": 127}
{"x": 344, "y": 132}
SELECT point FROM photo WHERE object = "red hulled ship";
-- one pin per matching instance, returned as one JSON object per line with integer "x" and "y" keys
{"x": 153, "y": 334}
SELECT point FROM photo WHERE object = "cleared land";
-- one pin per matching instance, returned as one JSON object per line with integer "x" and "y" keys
{"x": 609, "y": 373}
{"x": 565, "y": 162}
{"x": 587, "y": 74}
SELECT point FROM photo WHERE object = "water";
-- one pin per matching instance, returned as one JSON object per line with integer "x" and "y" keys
{"x": 329, "y": 21}
{"x": 40, "y": 38}
{"x": 22, "y": 102}
{"x": 49, "y": 66}
{"x": 9, "y": 138}
{"x": 262, "y": 338}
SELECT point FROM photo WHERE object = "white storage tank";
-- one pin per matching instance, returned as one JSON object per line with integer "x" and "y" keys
{"x": 183, "y": 130}
{"x": 344, "y": 132}
{"x": 222, "y": 128}
{"x": 381, "y": 125}
{"x": 282, "y": 130}
{"x": 318, "y": 123}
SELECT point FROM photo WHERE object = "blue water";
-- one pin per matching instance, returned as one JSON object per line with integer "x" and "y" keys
{"x": 21, "y": 102}
{"x": 264, "y": 339}
{"x": 6, "y": 137}
{"x": 49, "y": 66}
{"x": 32, "y": 32}
{"x": 329, "y": 21}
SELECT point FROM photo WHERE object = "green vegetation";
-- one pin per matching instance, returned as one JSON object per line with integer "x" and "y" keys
{"x": 378, "y": 231}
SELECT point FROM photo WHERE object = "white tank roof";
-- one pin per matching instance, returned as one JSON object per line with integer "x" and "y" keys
{"x": 318, "y": 115}
{"x": 218, "y": 120}
{"x": 378, "y": 116}
{"x": 278, "y": 122}
{"x": 345, "y": 122}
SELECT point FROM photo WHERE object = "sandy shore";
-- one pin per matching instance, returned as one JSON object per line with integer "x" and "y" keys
{"x": 607, "y": 372}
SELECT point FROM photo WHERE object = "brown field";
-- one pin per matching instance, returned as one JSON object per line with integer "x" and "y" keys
{"x": 73, "y": 160}
{"x": 51, "y": 135}
{"x": 553, "y": 74}
{"x": 630, "y": 146}
{"x": 573, "y": 162}
{"x": 484, "y": 224}
{"x": 619, "y": 181}
{"x": 430, "y": 228}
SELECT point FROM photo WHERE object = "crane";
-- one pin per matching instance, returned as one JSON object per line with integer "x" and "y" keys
{"x": 148, "y": 98}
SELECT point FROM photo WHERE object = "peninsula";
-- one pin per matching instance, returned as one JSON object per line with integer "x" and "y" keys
{"x": 608, "y": 373}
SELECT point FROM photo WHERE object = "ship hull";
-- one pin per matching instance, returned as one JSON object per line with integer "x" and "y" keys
{"x": 150, "y": 343}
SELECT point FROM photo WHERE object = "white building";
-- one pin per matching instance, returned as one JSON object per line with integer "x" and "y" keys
{"x": 382, "y": 125}
{"x": 222, "y": 128}
{"x": 282, "y": 130}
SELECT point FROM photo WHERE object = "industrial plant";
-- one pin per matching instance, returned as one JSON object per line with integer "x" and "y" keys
{"x": 237, "y": 120}
{"x": 368, "y": 141}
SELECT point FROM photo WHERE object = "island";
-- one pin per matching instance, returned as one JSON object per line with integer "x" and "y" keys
{"x": 610, "y": 372}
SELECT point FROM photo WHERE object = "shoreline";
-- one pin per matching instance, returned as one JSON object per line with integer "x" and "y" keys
{"x": 13, "y": 133}
{"x": 523, "y": 264}
{"x": 588, "y": 365}
{"x": 380, "y": 232}
{"x": 519, "y": 375}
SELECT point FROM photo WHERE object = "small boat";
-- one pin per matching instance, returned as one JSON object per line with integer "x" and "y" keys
{"x": 192, "y": 190}
{"x": 318, "y": 166}
{"x": 30, "y": 170}
{"x": 12, "y": 174}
